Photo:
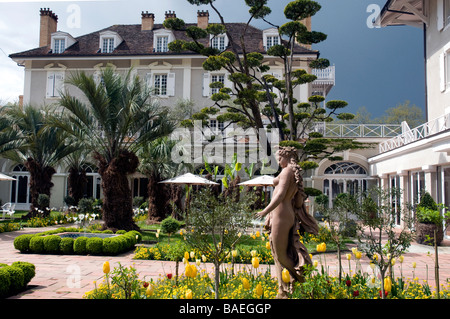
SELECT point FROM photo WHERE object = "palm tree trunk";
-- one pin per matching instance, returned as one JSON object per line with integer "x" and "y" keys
{"x": 117, "y": 199}
{"x": 76, "y": 182}
{"x": 40, "y": 183}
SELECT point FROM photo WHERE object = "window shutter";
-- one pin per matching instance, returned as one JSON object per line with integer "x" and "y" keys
{"x": 59, "y": 83}
{"x": 148, "y": 80}
{"x": 206, "y": 81}
{"x": 50, "y": 84}
{"x": 171, "y": 84}
{"x": 442, "y": 58}
{"x": 440, "y": 15}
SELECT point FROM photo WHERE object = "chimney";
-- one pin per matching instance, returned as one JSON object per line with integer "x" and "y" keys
{"x": 307, "y": 23}
{"x": 170, "y": 14}
{"x": 148, "y": 21}
{"x": 202, "y": 19}
{"x": 49, "y": 22}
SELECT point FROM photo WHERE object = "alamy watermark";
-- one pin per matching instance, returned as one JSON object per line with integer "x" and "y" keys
{"x": 199, "y": 144}
{"x": 372, "y": 20}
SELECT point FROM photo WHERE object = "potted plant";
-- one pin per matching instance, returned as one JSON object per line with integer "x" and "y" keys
{"x": 428, "y": 219}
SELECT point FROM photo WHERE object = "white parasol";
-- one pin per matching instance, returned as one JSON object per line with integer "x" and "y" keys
{"x": 263, "y": 180}
{"x": 4, "y": 177}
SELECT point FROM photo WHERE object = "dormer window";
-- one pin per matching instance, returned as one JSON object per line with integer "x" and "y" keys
{"x": 60, "y": 41}
{"x": 109, "y": 41}
{"x": 271, "y": 38}
{"x": 219, "y": 42}
{"x": 108, "y": 45}
{"x": 161, "y": 40}
{"x": 60, "y": 45}
{"x": 162, "y": 43}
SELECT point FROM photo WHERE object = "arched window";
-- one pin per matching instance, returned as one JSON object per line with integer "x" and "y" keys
{"x": 20, "y": 189}
{"x": 345, "y": 168}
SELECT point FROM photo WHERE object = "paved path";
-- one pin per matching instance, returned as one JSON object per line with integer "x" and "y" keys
{"x": 69, "y": 277}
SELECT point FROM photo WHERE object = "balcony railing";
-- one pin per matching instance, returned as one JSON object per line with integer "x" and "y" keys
{"x": 358, "y": 130}
{"x": 325, "y": 76}
{"x": 430, "y": 128}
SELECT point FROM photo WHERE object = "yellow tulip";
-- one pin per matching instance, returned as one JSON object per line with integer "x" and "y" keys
{"x": 234, "y": 253}
{"x": 258, "y": 234}
{"x": 387, "y": 284}
{"x": 188, "y": 294}
{"x": 316, "y": 263}
{"x": 354, "y": 250}
{"x": 393, "y": 262}
{"x": 245, "y": 283}
{"x": 268, "y": 245}
{"x": 400, "y": 259}
{"x": 349, "y": 256}
{"x": 285, "y": 276}
{"x": 414, "y": 264}
{"x": 253, "y": 253}
{"x": 358, "y": 255}
{"x": 321, "y": 248}
{"x": 192, "y": 254}
{"x": 106, "y": 268}
{"x": 375, "y": 257}
{"x": 197, "y": 262}
{"x": 204, "y": 258}
{"x": 259, "y": 289}
{"x": 188, "y": 270}
{"x": 186, "y": 255}
{"x": 255, "y": 262}
{"x": 149, "y": 291}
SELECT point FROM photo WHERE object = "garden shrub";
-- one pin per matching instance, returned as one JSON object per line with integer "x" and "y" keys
{"x": 85, "y": 205}
{"x": 170, "y": 225}
{"x": 17, "y": 278}
{"x": 112, "y": 246}
{"x": 37, "y": 244}
{"x": 22, "y": 243}
{"x": 121, "y": 232}
{"x": 94, "y": 246}
{"x": 5, "y": 281}
{"x": 66, "y": 245}
{"x": 51, "y": 244}
{"x": 29, "y": 270}
{"x": 79, "y": 246}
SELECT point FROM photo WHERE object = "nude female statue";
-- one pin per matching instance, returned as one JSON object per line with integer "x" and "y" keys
{"x": 286, "y": 218}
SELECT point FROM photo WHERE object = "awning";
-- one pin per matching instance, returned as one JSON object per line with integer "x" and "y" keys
{"x": 403, "y": 12}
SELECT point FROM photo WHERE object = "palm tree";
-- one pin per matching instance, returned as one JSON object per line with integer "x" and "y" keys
{"x": 157, "y": 165}
{"x": 77, "y": 179}
{"x": 9, "y": 139}
{"x": 114, "y": 118}
{"x": 42, "y": 147}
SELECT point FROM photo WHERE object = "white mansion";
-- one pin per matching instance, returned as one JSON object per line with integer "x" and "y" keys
{"x": 144, "y": 48}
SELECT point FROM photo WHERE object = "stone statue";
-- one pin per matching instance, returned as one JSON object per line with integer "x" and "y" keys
{"x": 286, "y": 219}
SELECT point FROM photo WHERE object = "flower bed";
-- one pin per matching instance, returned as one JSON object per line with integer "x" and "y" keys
{"x": 50, "y": 243}
{"x": 14, "y": 278}
{"x": 197, "y": 283}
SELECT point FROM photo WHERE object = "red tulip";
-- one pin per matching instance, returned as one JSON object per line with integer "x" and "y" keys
{"x": 145, "y": 284}
{"x": 348, "y": 283}
{"x": 169, "y": 276}
{"x": 385, "y": 293}
{"x": 356, "y": 293}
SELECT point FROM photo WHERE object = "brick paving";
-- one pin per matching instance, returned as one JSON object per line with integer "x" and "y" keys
{"x": 70, "y": 276}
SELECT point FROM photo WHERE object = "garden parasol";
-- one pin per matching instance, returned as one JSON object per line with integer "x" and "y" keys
{"x": 189, "y": 179}
{"x": 4, "y": 177}
{"x": 263, "y": 180}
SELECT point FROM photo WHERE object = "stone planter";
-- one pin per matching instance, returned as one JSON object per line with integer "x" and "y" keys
{"x": 425, "y": 234}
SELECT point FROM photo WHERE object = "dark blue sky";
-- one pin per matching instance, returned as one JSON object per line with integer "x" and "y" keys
{"x": 375, "y": 68}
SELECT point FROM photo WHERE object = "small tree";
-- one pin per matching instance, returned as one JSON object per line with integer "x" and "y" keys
{"x": 215, "y": 225}
{"x": 378, "y": 234}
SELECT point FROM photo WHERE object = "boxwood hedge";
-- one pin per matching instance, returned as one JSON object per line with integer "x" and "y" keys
{"x": 14, "y": 278}
{"x": 50, "y": 243}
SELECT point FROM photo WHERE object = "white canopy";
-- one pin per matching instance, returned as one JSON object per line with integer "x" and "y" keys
{"x": 189, "y": 179}
{"x": 264, "y": 180}
{"x": 4, "y": 177}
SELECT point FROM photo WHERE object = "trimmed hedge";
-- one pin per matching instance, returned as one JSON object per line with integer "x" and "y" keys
{"x": 15, "y": 278}
{"x": 50, "y": 243}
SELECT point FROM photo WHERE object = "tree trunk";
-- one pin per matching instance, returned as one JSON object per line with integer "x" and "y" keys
{"x": 76, "y": 183}
{"x": 40, "y": 183}
{"x": 117, "y": 199}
